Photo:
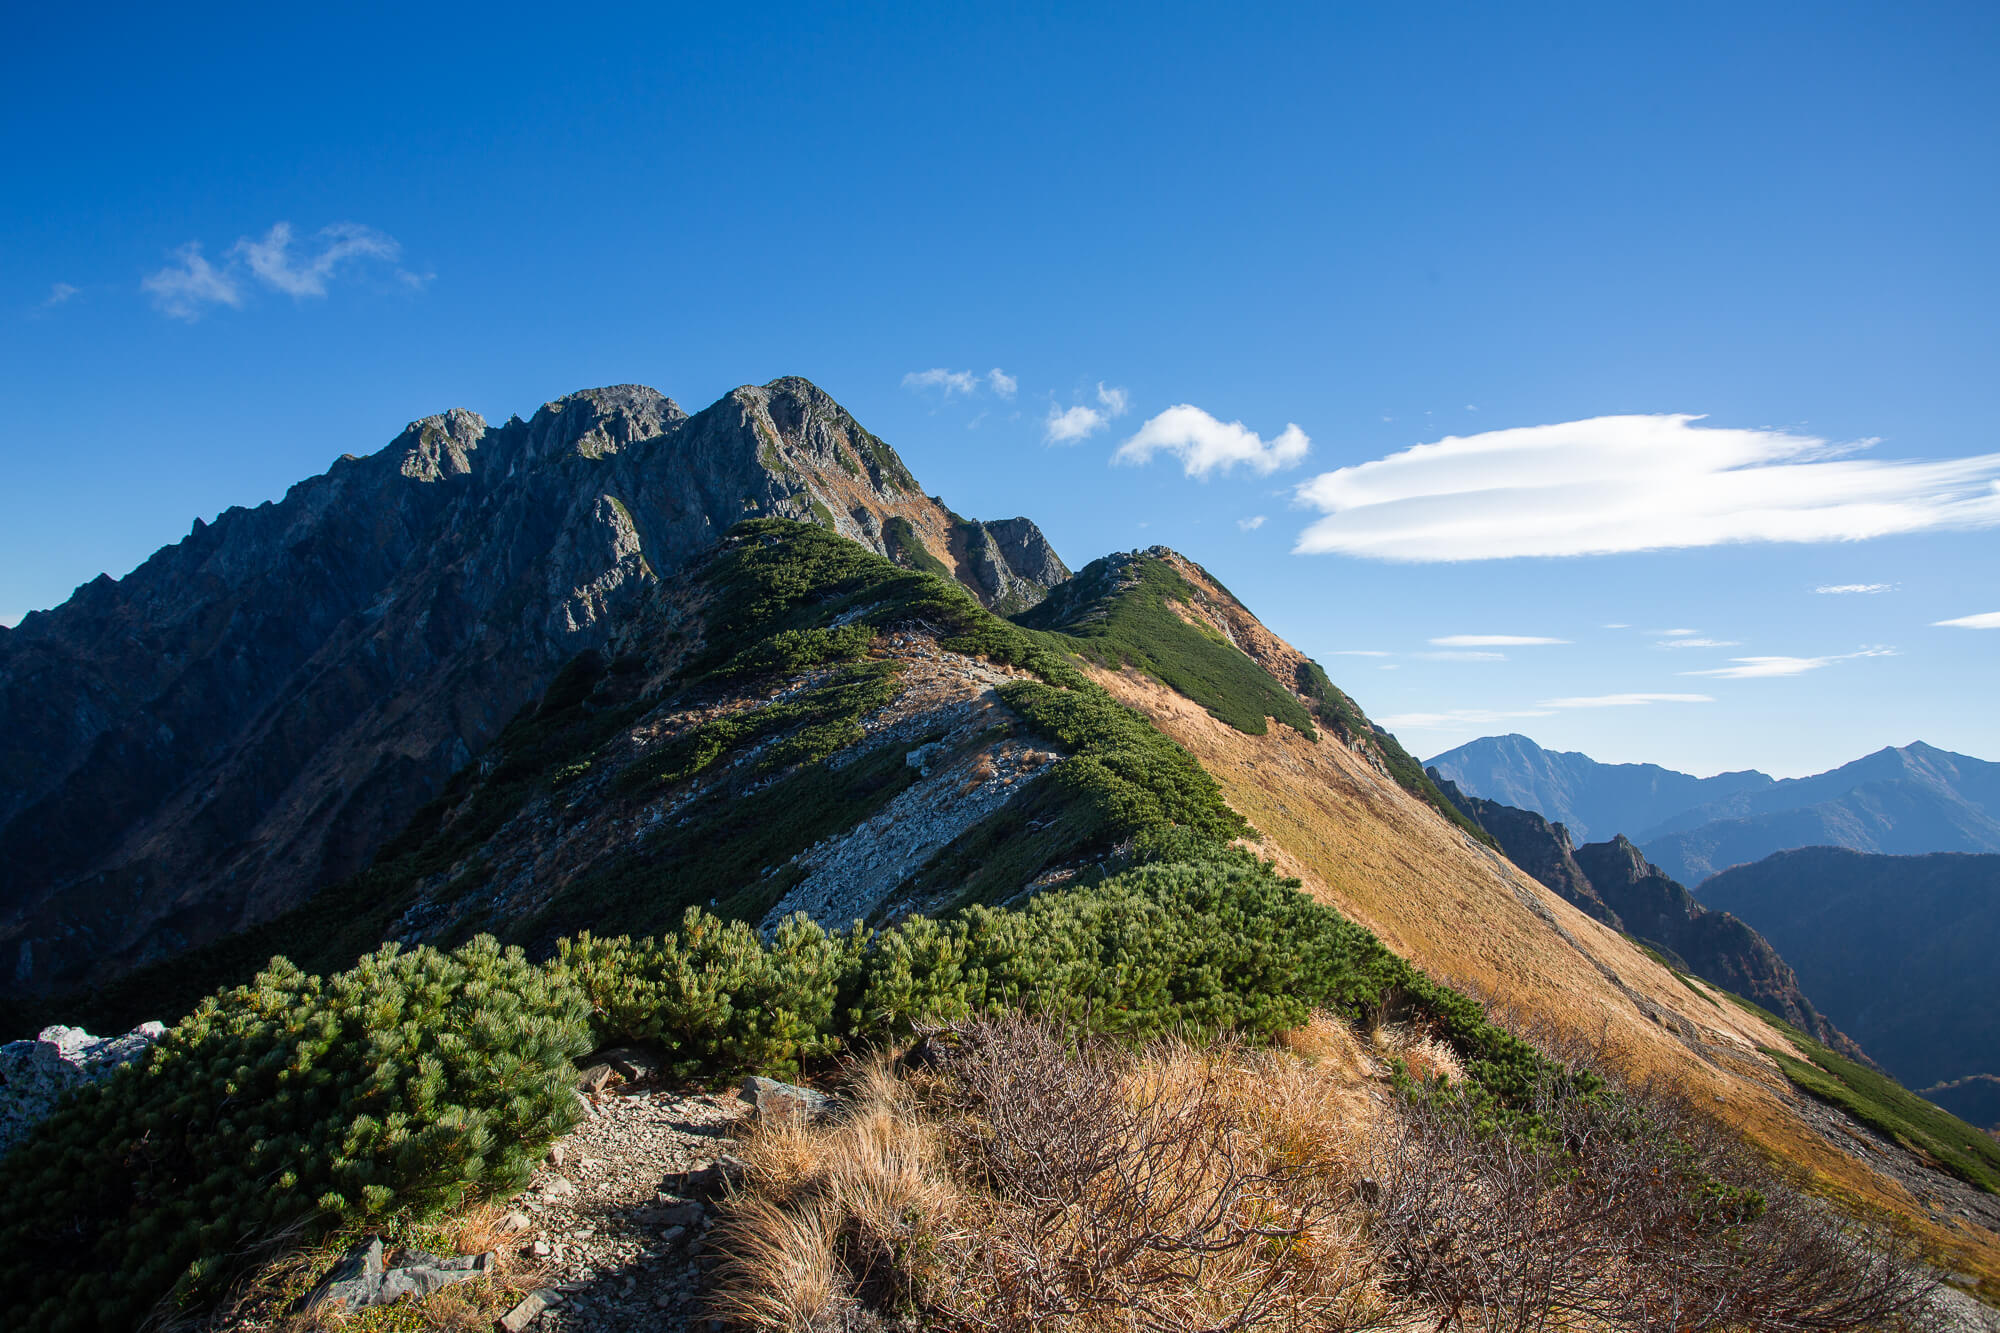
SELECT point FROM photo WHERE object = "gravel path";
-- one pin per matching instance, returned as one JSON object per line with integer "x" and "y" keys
{"x": 619, "y": 1213}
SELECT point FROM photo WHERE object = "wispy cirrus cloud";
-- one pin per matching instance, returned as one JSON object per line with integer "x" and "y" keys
{"x": 1459, "y": 717}
{"x": 1252, "y": 523}
{"x": 1625, "y": 700}
{"x": 964, "y": 382}
{"x": 1841, "y": 589}
{"x": 1761, "y": 668}
{"x": 1205, "y": 445}
{"x": 1462, "y": 655}
{"x": 1698, "y": 641}
{"x": 1492, "y": 641}
{"x": 190, "y": 285}
{"x": 278, "y": 260}
{"x": 59, "y": 293}
{"x": 1984, "y": 620}
{"x": 1634, "y": 483}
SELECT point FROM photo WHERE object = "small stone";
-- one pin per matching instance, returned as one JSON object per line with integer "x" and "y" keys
{"x": 684, "y": 1215}
{"x": 556, "y": 1154}
{"x": 541, "y": 1249}
{"x": 672, "y": 1235}
{"x": 557, "y": 1187}
{"x": 525, "y": 1313}
{"x": 775, "y": 1100}
{"x": 514, "y": 1222}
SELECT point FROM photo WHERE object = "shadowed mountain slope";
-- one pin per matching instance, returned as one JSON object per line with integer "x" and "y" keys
{"x": 249, "y": 714}
{"x": 1900, "y": 951}
{"x": 1613, "y": 882}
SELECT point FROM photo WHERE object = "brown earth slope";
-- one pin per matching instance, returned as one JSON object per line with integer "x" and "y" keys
{"x": 1331, "y": 815}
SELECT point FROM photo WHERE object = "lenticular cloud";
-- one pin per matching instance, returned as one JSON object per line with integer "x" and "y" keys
{"x": 1633, "y": 483}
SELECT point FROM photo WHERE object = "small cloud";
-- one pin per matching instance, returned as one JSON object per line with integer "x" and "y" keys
{"x": 1456, "y": 655}
{"x": 1837, "y": 589}
{"x": 1001, "y": 382}
{"x": 951, "y": 381}
{"x": 1251, "y": 524}
{"x": 1698, "y": 642}
{"x": 1676, "y": 633}
{"x": 1984, "y": 620}
{"x": 1457, "y": 717}
{"x": 1205, "y": 445}
{"x": 1115, "y": 401}
{"x": 1358, "y": 652}
{"x": 190, "y": 284}
{"x": 307, "y": 272}
{"x": 1389, "y": 666}
{"x": 1491, "y": 641}
{"x": 1618, "y": 624}
{"x": 1625, "y": 700}
{"x": 59, "y": 293}
{"x": 1067, "y": 426}
{"x": 1763, "y": 668}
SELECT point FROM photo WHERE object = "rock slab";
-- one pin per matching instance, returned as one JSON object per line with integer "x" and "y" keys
{"x": 38, "y": 1073}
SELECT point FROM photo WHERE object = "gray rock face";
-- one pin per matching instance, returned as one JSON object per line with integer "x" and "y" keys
{"x": 773, "y": 1100}
{"x": 360, "y": 1279}
{"x": 247, "y": 716}
{"x": 36, "y": 1074}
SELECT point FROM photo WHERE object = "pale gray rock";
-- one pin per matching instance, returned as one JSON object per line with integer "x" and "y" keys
{"x": 361, "y": 1279}
{"x": 36, "y": 1074}
{"x": 774, "y": 1100}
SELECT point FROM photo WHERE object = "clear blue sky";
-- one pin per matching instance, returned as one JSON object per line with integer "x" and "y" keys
{"x": 1385, "y": 225}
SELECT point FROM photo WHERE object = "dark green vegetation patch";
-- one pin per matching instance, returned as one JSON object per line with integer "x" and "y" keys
{"x": 1878, "y": 1101}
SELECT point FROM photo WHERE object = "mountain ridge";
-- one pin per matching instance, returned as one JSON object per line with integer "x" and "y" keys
{"x": 1902, "y": 799}
{"x": 253, "y": 710}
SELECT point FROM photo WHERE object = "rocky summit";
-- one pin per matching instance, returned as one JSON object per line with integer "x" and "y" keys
{"x": 247, "y": 716}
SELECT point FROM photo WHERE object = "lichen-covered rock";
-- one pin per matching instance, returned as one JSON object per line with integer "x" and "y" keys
{"x": 35, "y": 1074}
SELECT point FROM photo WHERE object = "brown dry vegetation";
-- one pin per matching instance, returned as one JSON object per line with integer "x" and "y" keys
{"x": 1472, "y": 919}
{"x": 1016, "y": 1180}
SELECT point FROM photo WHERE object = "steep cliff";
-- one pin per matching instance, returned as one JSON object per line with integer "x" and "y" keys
{"x": 249, "y": 714}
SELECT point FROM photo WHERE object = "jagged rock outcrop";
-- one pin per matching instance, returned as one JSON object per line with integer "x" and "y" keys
{"x": 1613, "y": 882}
{"x": 37, "y": 1073}
{"x": 250, "y": 713}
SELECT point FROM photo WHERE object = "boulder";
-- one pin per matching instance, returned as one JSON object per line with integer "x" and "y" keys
{"x": 36, "y": 1074}
{"x": 360, "y": 1279}
{"x": 774, "y": 1100}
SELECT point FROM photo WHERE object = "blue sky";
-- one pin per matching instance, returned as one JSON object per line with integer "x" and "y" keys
{"x": 1721, "y": 274}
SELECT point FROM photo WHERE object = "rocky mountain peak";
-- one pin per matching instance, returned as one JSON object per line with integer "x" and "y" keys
{"x": 251, "y": 712}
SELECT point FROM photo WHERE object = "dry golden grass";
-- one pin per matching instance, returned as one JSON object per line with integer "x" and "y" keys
{"x": 933, "y": 1197}
{"x": 1469, "y": 917}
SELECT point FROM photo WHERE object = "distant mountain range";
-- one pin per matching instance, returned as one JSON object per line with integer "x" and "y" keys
{"x": 1613, "y": 882}
{"x": 1910, "y": 799}
{"x": 1898, "y": 950}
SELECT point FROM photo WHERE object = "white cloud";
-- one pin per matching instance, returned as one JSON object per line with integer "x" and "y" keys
{"x": 1459, "y": 655}
{"x": 307, "y": 273}
{"x": 1492, "y": 641}
{"x": 1205, "y": 445}
{"x": 1618, "y": 625}
{"x": 1001, "y": 382}
{"x": 1625, "y": 700}
{"x": 1456, "y": 718}
{"x": 951, "y": 381}
{"x": 1984, "y": 620}
{"x": 1676, "y": 633}
{"x": 1698, "y": 642}
{"x": 189, "y": 285}
{"x": 1839, "y": 588}
{"x": 1760, "y": 668}
{"x": 1633, "y": 483}
{"x": 1357, "y": 652}
{"x": 182, "y": 289}
{"x": 1251, "y": 524}
{"x": 1069, "y": 426}
{"x": 1116, "y": 402}
{"x": 58, "y": 293}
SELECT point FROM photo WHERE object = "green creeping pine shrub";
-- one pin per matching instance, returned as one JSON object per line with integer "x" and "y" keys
{"x": 406, "y": 1084}
{"x": 716, "y": 994}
